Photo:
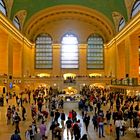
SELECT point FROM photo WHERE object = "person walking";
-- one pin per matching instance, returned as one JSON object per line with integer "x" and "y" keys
{"x": 95, "y": 123}
{"x": 118, "y": 126}
{"x": 57, "y": 115}
{"x": 42, "y": 128}
{"x": 37, "y": 136}
{"x": 108, "y": 117}
{"x": 27, "y": 134}
{"x": 7, "y": 98}
{"x": 17, "y": 120}
{"x": 69, "y": 127}
{"x": 58, "y": 131}
{"x": 84, "y": 137}
{"x": 62, "y": 119}
{"x": 86, "y": 121}
{"x": 9, "y": 115}
{"x": 23, "y": 113}
{"x": 15, "y": 136}
{"x": 76, "y": 131}
{"x": 100, "y": 121}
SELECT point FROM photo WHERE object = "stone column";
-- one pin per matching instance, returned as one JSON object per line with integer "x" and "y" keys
{"x": 10, "y": 65}
{"x": 134, "y": 57}
{"x": 83, "y": 59}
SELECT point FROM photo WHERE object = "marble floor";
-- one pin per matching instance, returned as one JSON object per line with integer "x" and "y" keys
{"x": 7, "y": 130}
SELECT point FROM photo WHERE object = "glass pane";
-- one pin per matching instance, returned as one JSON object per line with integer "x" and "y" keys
{"x": 121, "y": 24}
{"x": 69, "y": 52}
{"x": 69, "y": 66}
{"x": 16, "y": 22}
{"x": 43, "y": 52}
{"x": 95, "y": 52}
{"x": 2, "y": 7}
{"x": 136, "y": 8}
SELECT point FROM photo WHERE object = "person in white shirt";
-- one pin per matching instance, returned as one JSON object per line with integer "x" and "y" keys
{"x": 123, "y": 123}
{"x": 118, "y": 126}
{"x": 27, "y": 134}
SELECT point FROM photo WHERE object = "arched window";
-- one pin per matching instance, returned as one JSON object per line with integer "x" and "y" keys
{"x": 95, "y": 52}
{"x": 69, "y": 51}
{"x": 136, "y": 8}
{"x": 16, "y": 22}
{"x": 121, "y": 24}
{"x": 2, "y": 7}
{"x": 43, "y": 52}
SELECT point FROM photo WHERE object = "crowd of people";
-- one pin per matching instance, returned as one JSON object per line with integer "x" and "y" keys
{"x": 123, "y": 110}
{"x": 118, "y": 111}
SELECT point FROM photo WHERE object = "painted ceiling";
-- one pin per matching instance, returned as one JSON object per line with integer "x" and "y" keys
{"x": 106, "y": 7}
{"x": 43, "y": 16}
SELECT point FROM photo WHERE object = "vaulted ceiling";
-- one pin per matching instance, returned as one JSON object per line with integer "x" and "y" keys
{"x": 56, "y": 17}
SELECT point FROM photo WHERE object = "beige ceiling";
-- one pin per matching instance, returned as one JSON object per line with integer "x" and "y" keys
{"x": 75, "y": 19}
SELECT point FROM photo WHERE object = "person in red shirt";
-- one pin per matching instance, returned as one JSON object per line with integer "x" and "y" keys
{"x": 70, "y": 115}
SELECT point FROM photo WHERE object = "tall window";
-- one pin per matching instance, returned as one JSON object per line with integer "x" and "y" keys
{"x": 121, "y": 24}
{"x": 136, "y": 8}
{"x": 69, "y": 51}
{"x": 2, "y": 7}
{"x": 95, "y": 52}
{"x": 16, "y": 22}
{"x": 43, "y": 52}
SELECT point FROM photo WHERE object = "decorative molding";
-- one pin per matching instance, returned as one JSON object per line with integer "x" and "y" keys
{"x": 21, "y": 16}
{"x": 129, "y": 4}
{"x": 9, "y": 5}
{"x": 116, "y": 17}
{"x": 40, "y": 20}
{"x": 130, "y": 28}
{"x": 13, "y": 32}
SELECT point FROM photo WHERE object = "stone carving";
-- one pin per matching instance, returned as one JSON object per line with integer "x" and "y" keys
{"x": 129, "y": 4}
{"x": 21, "y": 16}
{"x": 116, "y": 17}
{"x": 8, "y": 4}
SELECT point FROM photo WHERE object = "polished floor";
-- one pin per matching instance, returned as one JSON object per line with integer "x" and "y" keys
{"x": 7, "y": 130}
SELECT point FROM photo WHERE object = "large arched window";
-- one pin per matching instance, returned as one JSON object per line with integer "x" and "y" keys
{"x": 121, "y": 24}
{"x": 69, "y": 51}
{"x": 16, "y": 22}
{"x": 95, "y": 52}
{"x": 136, "y": 8}
{"x": 2, "y": 7}
{"x": 43, "y": 52}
